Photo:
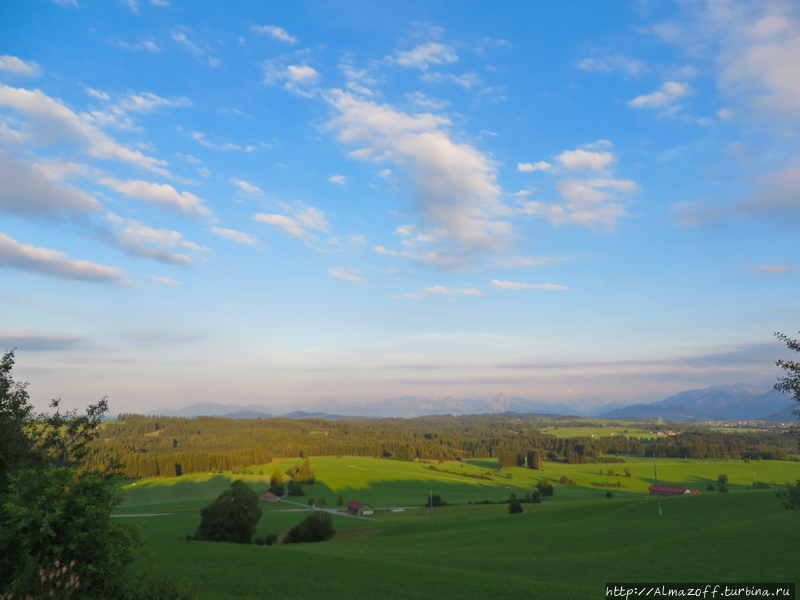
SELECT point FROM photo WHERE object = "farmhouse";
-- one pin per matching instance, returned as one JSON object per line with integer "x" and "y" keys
{"x": 269, "y": 497}
{"x": 668, "y": 490}
{"x": 355, "y": 507}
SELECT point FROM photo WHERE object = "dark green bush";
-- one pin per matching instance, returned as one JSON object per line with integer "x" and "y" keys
{"x": 316, "y": 527}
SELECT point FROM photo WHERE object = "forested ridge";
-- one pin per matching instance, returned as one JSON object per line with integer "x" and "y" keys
{"x": 151, "y": 446}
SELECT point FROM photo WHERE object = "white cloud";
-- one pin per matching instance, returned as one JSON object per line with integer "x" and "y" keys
{"x": 148, "y": 45}
{"x": 755, "y": 45}
{"x": 508, "y": 285}
{"x": 51, "y": 123}
{"x": 147, "y": 102}
{"x": 303, "y": 218}
{"x": 44, "y": 261}
{"x": 467, "y": 80}
{"x": 457, "y": 193}
{"x": 236, "y": 236}
{"x": 618, "y": 62}
{"x": 34, "y": 190}
{"x": 421, "y": 57}
{"x": 274, "y": 32}
{"x": 133, "y": 5}
{"x": 338, "y": 179}
{"x": 247, "y": 188}
{"x": 669, "y": 93}
{"x": 439, "y": 289}
{"x": 529, "y": 168}
{"x": 159, "y": 2}
{"x": 582, "y": 160}
{"x": 165, "y": 280}
{"x": 411, "y": 296}
{"x": 181, "y": 35}
{"x": 97, "y": 94}
{"x": 344, "y": 275}
{"x": 160, "y": 194}
{"x": 591, "y": 203}
{"x": 146, "y": 242}
{"x": 15, "y": 65}
{"x": 423, "y": 101}
{"x": 301, "y": 74}
{"x": 201, "y": 139}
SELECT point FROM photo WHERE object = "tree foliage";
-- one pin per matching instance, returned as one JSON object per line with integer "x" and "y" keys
{"x": 789, "y": 494}
{"x": 55, "y": 513}
{"x": 545, "y": 487}
{"x": 232, "y": 517}
{"x": 316, "y": 527}
{"x": 514, "y": 507}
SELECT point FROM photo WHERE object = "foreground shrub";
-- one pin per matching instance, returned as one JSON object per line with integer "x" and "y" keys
{"x": 514, "y": 508}
{"x": 232, "y": 517}
{"x": 316, "y": 527}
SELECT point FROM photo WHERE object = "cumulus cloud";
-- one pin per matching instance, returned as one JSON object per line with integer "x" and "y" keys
{"x": 146, "y": 242}
{"x": 508, "y": 285}
{"x": 274, "y": 32}
{"x": 755, "y": 45}
{"x": 162, "y": 195}
{"x": 440, "y": 289}
{"x": 594, "y": 203}
{"x": 12, "y": 64}
{"x": 298, "y": 221}
{"x": 44, "y": 261}
{"x": 236, "y": 236}
{"x": 458, "y": 197}
{"x": 338, "y": 179}
{"x": 421, "y": 57}
{"x": 530, "y": 167}
{"x": 34, "y": 190}
{"x": 584, "y": 160}
{"x": 247, "y": 188}
{"x": 345, "y": 275}
{"x": 50, "y": 123}
{"x": 669, "y": 93}
{"x": 294, "y": 74}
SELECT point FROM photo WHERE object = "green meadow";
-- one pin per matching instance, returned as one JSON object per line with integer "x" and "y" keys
{"x": 568, "y": 546}
{"x": 390, "y": 483}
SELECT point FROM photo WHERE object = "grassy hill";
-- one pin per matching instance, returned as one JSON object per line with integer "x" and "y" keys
{"x": 557, "y": 549}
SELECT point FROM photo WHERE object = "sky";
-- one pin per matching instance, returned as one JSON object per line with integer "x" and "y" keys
{"x": 284, "y": 203}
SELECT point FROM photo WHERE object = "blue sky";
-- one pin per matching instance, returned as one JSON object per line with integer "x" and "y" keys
{"x": 288, "y": 202}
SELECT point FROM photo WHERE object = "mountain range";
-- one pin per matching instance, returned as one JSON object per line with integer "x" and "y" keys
{"x": 738, "y": 402}
{"x": 720, "y": 402}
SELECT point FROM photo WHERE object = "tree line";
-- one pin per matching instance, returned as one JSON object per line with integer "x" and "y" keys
{"x": 150, "y": 446}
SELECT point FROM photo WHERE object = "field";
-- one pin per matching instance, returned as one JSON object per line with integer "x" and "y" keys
{"x": 566, "y": 547}
{"x": 389, "y": 483}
